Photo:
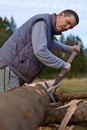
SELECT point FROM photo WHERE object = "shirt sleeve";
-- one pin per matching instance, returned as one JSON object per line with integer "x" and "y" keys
{"x": 61, "y": 47}
{"x": 41, "y": 51}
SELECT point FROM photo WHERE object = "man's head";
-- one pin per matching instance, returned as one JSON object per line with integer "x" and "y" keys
{"x": 67, "y": 19}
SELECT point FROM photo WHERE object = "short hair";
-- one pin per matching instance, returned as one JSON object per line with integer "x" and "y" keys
{"x": 69, "y": 12}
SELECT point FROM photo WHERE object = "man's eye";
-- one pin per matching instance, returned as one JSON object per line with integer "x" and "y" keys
{"x": 68, "y": 22}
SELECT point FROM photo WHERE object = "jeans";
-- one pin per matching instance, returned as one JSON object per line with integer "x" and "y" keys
{"x": 9, "y": 80}
{"x": 13, "y": 80}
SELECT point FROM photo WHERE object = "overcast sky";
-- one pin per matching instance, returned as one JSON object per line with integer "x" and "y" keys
{"x": 22, "y": 10}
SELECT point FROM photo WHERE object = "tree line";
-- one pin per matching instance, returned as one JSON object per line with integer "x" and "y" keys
{"x": 79, "y": 65}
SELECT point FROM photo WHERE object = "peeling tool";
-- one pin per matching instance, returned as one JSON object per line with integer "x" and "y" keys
{"x": 61, "y": 75}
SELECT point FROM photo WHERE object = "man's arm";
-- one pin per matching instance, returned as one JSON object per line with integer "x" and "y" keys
{"x": 39, "y": 42}
{"x": 57, "y": 46}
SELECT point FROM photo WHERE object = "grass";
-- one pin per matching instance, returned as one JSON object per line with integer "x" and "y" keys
{"x": 72, "y": 85}
{"x": 70, "y": 82}
{"x": 74, "y": 82}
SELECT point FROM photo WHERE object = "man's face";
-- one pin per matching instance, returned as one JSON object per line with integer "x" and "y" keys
{"x": 64, "y": 23}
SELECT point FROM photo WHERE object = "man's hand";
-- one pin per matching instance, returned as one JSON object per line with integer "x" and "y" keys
{"x": 76, "y": 48}
{"x": 67, "y": 67}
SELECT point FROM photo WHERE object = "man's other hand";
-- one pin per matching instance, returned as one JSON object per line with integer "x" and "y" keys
{"x": 76, "y": 48}
{"x": 67, "y": 67}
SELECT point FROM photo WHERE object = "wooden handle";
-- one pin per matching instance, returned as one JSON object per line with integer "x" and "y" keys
{"x": 63, "y": 71}
{"x": 74, "y": 53}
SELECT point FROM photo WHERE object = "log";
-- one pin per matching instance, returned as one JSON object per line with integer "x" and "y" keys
{"x": 54, "y": 115}
{"x": 23, "y": 108}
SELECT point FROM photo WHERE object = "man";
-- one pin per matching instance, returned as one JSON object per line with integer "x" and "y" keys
{"x": 31, "y": 47}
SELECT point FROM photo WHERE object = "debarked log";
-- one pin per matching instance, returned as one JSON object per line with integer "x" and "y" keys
{"x": 23, "y": 108}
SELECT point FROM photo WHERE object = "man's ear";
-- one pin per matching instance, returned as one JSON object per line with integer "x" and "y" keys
{"x": 61, "y": 14}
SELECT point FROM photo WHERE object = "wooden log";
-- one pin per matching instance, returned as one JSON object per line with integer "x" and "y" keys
{"x": 23, "y": 108}
{"x": 54, "y": 115}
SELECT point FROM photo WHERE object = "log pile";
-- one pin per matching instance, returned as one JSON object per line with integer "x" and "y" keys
{"x": 30, "y": 108}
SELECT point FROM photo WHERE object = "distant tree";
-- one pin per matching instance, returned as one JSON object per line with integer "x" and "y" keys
{"x": 7, "y": 28}
{"x": 62, "y": 39}
{"x": 85, "y": 54}
{"x": 12, "y": 25}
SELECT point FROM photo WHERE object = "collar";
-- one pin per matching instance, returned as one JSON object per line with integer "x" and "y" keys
{"x": 53, "y": 23}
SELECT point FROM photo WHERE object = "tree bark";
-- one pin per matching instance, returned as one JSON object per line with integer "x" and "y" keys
{"x": 23, "y": 108}
{"x": 54, "y": 115}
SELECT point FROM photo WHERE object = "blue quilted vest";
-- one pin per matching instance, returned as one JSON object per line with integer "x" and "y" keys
{"x": 17, "y": 52}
